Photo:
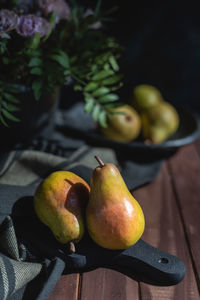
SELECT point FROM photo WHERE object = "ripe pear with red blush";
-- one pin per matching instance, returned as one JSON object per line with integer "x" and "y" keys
{"x": 115, "y": 219}
{"x": 59, "y": 202}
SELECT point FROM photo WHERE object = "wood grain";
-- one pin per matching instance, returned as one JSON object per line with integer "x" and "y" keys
{"x": 185, "y": 173}
{"x": 197, "y": 146}
{"x": 164, "y": 230}
{"x": 171, "y": 204}
{"x": 67, "y": 288}
{"x": 105, "y": 284}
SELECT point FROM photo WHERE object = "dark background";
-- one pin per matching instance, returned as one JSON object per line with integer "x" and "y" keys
{"x": 162, "y": 47}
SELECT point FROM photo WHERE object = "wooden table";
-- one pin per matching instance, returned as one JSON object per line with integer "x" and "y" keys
{"x": 171, "y": 204}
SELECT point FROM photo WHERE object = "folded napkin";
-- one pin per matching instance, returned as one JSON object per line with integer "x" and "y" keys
{"x": 31, "y": 260}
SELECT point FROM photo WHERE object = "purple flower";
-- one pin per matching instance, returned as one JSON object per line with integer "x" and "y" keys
{"x": 8, "y": 20}
{"x": 31, "y": 24}
{"x": 60, "y": 7}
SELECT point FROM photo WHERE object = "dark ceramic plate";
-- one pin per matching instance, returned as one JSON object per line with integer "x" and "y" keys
{"x": 81, "y": 125}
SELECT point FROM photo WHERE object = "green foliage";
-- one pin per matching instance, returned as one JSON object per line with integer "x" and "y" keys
{"x": 35, "y": 62}
{"x": 3, "y": 46}
{"x": 37, "y": 88}
{"x": 8, "y": 104}
{"x": 102, "y": 81}
{"x": 62, "y": 58}
{"x": 71, "y": 52}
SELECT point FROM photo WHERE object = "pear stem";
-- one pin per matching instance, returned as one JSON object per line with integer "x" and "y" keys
{"x": 101, "y": 163}
{"x": 72, "y": 248}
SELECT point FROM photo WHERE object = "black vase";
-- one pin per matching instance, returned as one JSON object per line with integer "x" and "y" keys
{"x": 37, "y": 118}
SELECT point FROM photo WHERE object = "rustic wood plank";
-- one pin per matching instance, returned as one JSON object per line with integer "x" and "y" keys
{"x": 108, "y": 284}
{"x": 67, "y": 288}
{"x": 197, "y": 145}
{"x": 164, "y": 230}
{"x": 185, "y": 173}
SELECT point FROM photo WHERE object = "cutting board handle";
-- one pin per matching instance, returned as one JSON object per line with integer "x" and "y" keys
{"x": 151, "y": 265}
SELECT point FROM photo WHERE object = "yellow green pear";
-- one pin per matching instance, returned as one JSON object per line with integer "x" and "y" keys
{"x": 160, "y": 122}
{"x": 145, "y": 97}
{"x": 59, "y": 202}
{"x": 115, "y": 219}
{"x": 124, "y": 125}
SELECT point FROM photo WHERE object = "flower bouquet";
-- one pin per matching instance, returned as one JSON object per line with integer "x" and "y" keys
{"x": 45, "y": 44}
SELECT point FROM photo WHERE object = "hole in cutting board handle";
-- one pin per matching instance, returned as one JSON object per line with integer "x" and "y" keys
{"x": 163, "y": 260}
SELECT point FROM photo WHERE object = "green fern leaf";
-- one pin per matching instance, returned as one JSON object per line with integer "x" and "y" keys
{"x": 9, "y": 116}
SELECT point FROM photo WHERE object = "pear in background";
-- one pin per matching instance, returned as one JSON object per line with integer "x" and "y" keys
{"x": 159, "y": 122}
{"x": 59, "y": 202}
{"x": 115, "y": 219}
{"x": 124, "y": 125}
{"x": 145, "y": 97}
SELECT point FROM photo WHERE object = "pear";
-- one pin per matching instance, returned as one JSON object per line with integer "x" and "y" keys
{"x": 145, "y": 97}
{"x": 160, "y": 122}
{"x": 114, "y": 218}
{"x": 59, "y": 202}
{"x": 124, "y": 125}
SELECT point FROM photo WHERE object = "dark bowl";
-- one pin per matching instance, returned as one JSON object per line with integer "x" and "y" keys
{"x": 80, "y": 125}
